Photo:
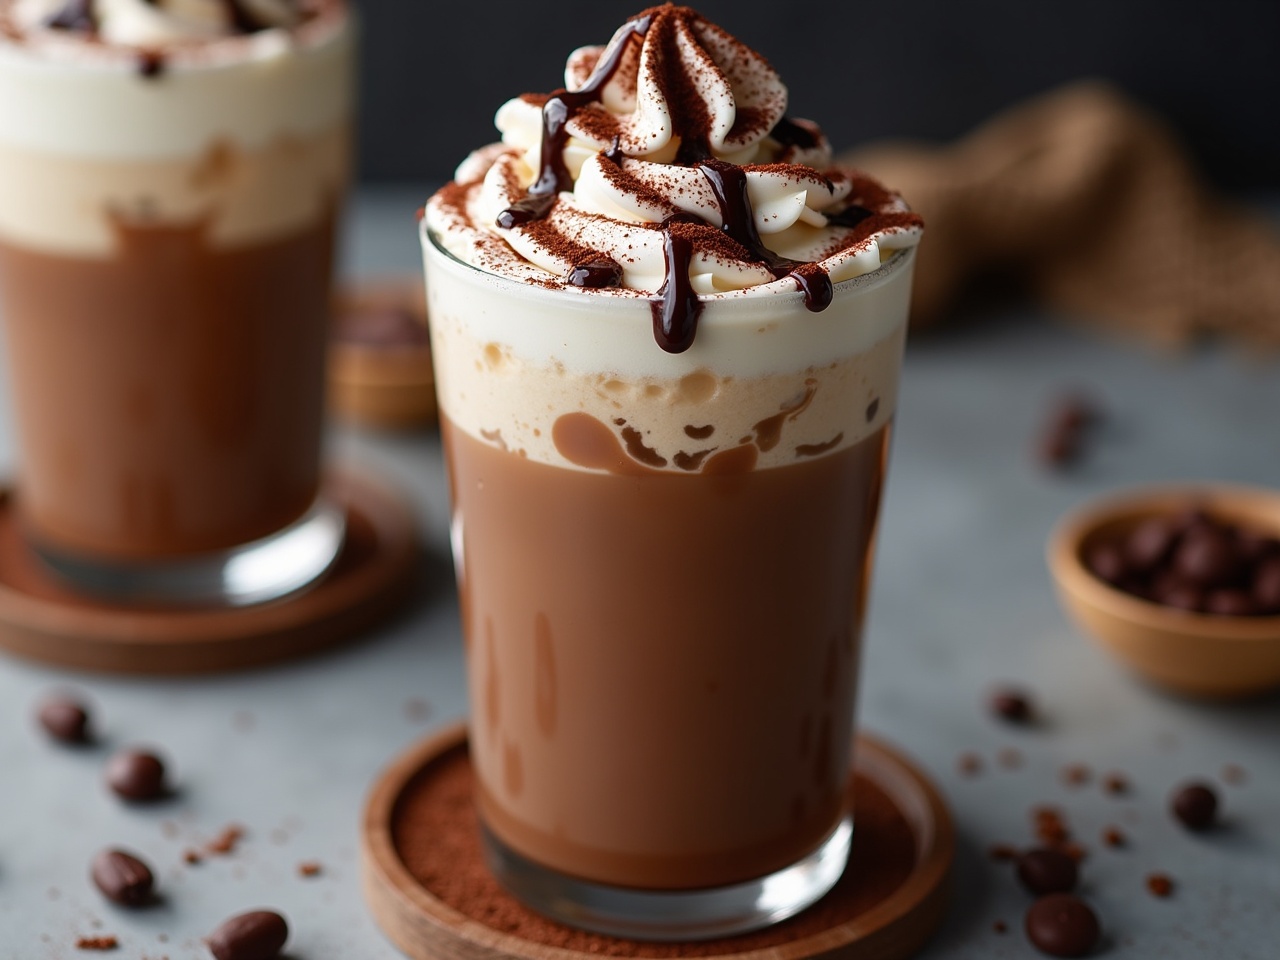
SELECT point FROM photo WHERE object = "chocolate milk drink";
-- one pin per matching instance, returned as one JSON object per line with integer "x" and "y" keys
{"x": 667, "y": 340}
{"x": 170, "y": 177}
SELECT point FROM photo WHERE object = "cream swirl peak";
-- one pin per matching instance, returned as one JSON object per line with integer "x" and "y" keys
{"x": 154, "y": 23}
{"x": 667, "y": 167}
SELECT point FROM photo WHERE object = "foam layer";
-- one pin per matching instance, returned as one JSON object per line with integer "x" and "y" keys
{"x": 247, "y": 135}
{"x": 511, "y": 360}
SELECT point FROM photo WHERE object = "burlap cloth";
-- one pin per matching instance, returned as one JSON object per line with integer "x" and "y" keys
{"x": 1091, "y": 202}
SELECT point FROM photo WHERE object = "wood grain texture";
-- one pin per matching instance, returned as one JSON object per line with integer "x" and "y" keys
{"x": 863, "y": 918}
{"x": 42, "y": 619}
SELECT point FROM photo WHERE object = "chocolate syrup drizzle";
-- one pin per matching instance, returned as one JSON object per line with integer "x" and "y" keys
{"x": 729, "y": 184}
{"x": 676, "y": 307}
{"x": 553, "y": 176}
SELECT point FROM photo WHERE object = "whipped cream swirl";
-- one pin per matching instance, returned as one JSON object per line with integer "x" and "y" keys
{"x": 667, "y": 167}
{"x": 155, "y": 23}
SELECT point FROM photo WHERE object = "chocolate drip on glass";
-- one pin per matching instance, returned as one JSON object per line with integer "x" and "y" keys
{"x": 553, "y": 175}
{"x": 675, "y": 312}
{"x": 729, "y": 183}
{"x": 76, "y": 15}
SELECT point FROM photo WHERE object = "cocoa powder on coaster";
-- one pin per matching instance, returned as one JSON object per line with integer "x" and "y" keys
{"x": 435, "y": 831}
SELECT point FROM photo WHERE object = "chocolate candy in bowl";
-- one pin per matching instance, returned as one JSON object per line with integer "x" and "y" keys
{"x": 1179, "y": 583}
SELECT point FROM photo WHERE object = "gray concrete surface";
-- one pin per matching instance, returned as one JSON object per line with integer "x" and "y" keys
{"x": 961, "y": 601}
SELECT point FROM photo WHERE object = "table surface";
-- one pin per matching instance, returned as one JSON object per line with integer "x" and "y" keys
{"x": 961, "y": 602}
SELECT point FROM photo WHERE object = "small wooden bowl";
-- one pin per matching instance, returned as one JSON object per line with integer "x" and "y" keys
{"x": 1196, "y": 654}
{"x": 379, "y": 375}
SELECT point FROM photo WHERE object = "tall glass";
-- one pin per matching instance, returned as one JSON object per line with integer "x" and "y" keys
{"x": 663, "y": 563}
{"x": 166, "y": 249}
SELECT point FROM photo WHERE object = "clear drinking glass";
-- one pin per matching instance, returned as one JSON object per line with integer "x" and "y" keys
{"x": 166, "y": 250}
{"x": 663, "y": 563}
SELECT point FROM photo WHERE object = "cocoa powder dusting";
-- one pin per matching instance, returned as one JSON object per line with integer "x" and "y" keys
{"x": 435, "y": 831}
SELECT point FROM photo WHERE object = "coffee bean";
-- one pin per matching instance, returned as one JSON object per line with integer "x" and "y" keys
{"x": 1106, "y": 561}
{"x": 122, "y": 878}
{"x": 1062, "y": 925}
{"x": 65, "y": 719}
{"x": 136, "y": 775}
{"x": 258, "y": 935}
{"x": 1045, "y": 871}
{"x": 1012, "y": 705}
{"x": 1150, "y": 543}
{"x": 1207, "y": 556}
{"x": 1195, "y": 805}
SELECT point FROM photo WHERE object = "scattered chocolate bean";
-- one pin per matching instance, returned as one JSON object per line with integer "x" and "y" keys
{"x": 64, "y": 718}
{"x": 969, "y": 764}
{"x": 1195, "y": 805}
{"x": 1000, "y": 926}
{"x": 1044, "y": 871}
{"x": 310, "y": 868}
{"x": 1062, "y": 925}
{"x": 1160, "y": 885}
{"x": 1012, "y": 705}
{"x": 257, "y": 935}
{"x": 136, "y": 775}
{"x": 123, "y": 878}
{"x": 1063, "y": 435}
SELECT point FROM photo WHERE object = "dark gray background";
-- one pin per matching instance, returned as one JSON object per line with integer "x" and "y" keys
{"x": 434, "y": 72}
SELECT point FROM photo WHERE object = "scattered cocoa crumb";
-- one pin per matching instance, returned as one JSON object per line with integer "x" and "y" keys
{"x": 1010, "y": 758}
{"x": 169, "y": 829}
{"x": 1113, "y": 837}
{"x": 1001, "y": 852}
{"x": 1116, "y": 784}
{"x": 225, "y": 842}
{"x": 969, "y": 764}
{"x": 97, "y": 943}
{"x": 1076, "y": 775}
{"x": 1234, "y": 774}
{"x": 310, "y": 868}
{"x": 1000, "y": 927}
{"x": 1160, "y": 885}
{"x": 191, "y": 857}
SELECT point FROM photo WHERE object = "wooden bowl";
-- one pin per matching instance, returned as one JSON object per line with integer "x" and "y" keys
{"x": 1196, "y": 654}
{"x": 380, "y": 371}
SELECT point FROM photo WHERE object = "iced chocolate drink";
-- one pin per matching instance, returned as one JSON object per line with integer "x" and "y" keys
{"x": 170, "y": 175}
{"x": 667, "y": 339}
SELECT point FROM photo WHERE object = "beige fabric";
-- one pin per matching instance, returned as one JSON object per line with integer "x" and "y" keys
{"x": 1091, "y": 202}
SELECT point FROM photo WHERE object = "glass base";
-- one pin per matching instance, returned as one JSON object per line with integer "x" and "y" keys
{"x": 258, "y": 571}
{"x": 676, "y": 915}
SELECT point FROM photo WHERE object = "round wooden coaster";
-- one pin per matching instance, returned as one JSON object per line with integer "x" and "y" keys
{"x": 380, "y": 372}
{"x": 428, "y": 888}
{"x": 42, "y": 619}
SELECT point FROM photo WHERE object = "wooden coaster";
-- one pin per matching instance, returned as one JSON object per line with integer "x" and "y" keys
{"x": 428, "y": 888}
{"x": 380, "y": 372}
{"x": 42, "y": 619}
